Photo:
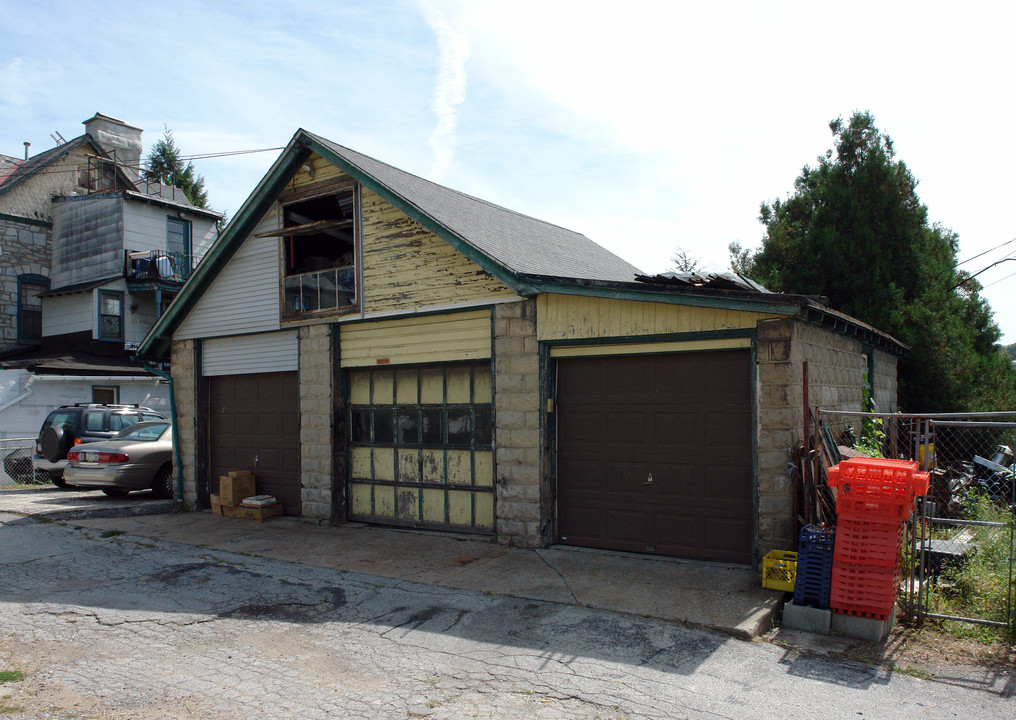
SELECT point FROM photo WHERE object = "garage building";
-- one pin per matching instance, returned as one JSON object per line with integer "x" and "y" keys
{"x": 379, "y": 348}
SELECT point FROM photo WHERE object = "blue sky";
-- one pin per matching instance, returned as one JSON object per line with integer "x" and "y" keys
{"x": 647, "y": 125}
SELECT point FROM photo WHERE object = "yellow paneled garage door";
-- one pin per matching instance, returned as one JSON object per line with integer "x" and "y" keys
{"x": 421, "y": 447}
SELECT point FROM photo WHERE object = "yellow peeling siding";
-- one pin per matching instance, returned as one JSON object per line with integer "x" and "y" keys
{"x": 416, "y": 340}
{"x": 573, "y": 317}
{"x": 321, "y": 171}
{"x": 405, "y": 267}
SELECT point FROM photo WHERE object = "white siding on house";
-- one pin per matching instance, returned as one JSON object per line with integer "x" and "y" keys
{"x": 245, "y": 295}
{"x": 268, "y": 352}
{"x": 145, "y": 228}
{"x": 138, "y": 322}
{"x": 77, "y": 312}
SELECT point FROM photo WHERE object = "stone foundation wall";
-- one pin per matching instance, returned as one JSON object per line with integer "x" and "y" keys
{"x": 522, "y": 502}
{"x": 185, "y": 394}
{"x": 316, "y": 448}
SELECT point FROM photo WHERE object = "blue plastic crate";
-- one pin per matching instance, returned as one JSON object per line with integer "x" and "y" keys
{"x": 814, "y": 577}
{"x": 816, "y": 537}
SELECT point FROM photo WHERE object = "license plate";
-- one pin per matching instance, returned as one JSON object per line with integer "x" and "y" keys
{"x": 91, "y": 457}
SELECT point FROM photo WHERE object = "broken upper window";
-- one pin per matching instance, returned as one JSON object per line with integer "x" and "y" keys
{"x": 319, "y": 248}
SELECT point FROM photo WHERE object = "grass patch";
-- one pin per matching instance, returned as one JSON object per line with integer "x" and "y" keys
{"x": 979, "y": 586}
{"x": 10, "y": 709}
{"x": 9, "y": 676}
{"x": 111, "y": 533}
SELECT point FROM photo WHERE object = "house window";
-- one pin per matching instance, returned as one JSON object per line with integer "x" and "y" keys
{"x": 319, "y": 247}
{"x": 110, "y": 315}
{"x": 109, "y": 394}
{"x": 30, "y": 287}
{"x": 178, "y": 245}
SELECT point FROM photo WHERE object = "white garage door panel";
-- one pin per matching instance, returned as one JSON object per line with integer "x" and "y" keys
{"x": 244, "y": 354}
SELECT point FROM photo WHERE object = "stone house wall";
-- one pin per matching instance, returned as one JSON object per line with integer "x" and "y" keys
{"x": 31, "y": 199}
{"x": 25, "y": 248}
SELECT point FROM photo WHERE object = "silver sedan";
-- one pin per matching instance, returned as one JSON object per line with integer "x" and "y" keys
{"x": 138, "y": 458}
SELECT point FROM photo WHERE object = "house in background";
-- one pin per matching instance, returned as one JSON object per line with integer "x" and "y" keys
{"x": 90, "y": 256}
{"x": 379, "y": 348}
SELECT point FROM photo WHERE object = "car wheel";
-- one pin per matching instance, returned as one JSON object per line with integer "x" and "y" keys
{"x": 162, "y": 486}
{"x": 59, "y": 481}
{"x": 55, "y": 442}
{"x": 115, "y": 492}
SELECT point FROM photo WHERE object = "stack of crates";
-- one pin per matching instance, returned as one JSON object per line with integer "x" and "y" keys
{"x": 874, "y": 501}
{"x": 814, "y": 566}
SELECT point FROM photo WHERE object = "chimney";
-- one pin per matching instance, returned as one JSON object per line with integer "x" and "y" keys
{"x": 116, "y": 135}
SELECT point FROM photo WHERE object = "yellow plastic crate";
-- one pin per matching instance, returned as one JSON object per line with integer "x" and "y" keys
{"x": 779, "y": 570}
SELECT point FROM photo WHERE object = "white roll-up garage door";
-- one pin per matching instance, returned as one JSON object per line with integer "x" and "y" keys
{"x": 245, "y": 354}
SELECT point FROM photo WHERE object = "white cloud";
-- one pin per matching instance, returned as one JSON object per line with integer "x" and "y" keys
{"x": 449, "y": 91}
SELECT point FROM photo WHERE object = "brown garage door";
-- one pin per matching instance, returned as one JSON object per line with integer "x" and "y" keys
{"x": 254, "y": 424}
{"x": 655, "y": 455}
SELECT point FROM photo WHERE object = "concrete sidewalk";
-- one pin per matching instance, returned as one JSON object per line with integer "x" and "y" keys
{"x": 728, "y": 598}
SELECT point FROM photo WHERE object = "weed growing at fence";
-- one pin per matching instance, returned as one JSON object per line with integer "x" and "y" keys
{"x": 978, "y": 587}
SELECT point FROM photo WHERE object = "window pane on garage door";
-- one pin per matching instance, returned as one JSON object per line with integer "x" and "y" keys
{"x": 254, "y": 424}
{"x": 655, "y": 454}
{"x": 421, "y": 449}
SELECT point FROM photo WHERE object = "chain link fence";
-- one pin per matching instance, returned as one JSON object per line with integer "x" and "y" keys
{"x": 16, "y": 467}
{"x": 959, "y": 557}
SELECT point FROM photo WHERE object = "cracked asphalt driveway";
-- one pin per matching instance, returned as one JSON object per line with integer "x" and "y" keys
{"x": 121, "y": 627}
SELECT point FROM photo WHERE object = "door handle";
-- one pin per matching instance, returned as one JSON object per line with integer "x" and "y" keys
{"x": 649, "y": 480}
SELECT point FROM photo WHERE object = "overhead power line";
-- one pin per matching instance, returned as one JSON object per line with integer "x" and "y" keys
{"x": 968, "y": 279}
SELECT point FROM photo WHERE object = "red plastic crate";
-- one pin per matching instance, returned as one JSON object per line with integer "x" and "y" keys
{"x": 887, "y": 511}
{"x": 863, "y": 590}
{"x": 867, "y": 545}
{"x": 879, "y": 478}
{"x": 880, "y": 613}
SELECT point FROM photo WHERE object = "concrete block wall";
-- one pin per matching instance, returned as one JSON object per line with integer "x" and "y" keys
{"x": 185, "y": 392}
{"x": 836, "y": 373}
{"x": 886, "y": 382}
{"x": 316, "y": 447}
{"x": 522, "y": 504}
{"x": 25, "y": 245}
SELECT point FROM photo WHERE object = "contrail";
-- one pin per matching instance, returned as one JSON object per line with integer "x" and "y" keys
{"x": 450, "y": 90}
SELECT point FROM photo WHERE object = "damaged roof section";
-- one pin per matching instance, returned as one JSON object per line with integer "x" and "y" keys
{"x": 710, "y": 281}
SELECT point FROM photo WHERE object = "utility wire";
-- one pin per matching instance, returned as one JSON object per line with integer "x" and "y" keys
{"x": 968, "y": 279}
{"x": 1007, "y": 242}
{"x": 1000, "y": 280}
{"x": 139, "y": 165}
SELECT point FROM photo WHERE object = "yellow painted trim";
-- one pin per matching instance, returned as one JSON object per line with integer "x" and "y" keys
{"x": 576, "y": 317}
{"x": 647, "y": 348}
{"x": 407, "y": 341}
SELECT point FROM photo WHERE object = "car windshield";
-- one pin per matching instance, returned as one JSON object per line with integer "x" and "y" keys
{"x": 145, "y": 433}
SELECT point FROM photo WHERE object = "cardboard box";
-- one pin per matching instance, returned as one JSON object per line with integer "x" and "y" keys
{"x": 234, "y": 487}
{"x": 216, "y": 505}
{"x": 260, "y": 514}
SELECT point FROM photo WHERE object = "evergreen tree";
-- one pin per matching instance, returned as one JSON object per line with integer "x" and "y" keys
{"x": 165, "y": 165}
{"x": 855, "y": 232}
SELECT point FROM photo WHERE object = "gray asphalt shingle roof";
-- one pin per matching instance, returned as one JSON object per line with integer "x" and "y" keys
{"x": 519, "y": 243}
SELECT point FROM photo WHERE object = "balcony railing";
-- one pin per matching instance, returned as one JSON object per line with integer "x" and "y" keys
{"x": 330, "y": 289}
{"x": 157, "y": 265}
